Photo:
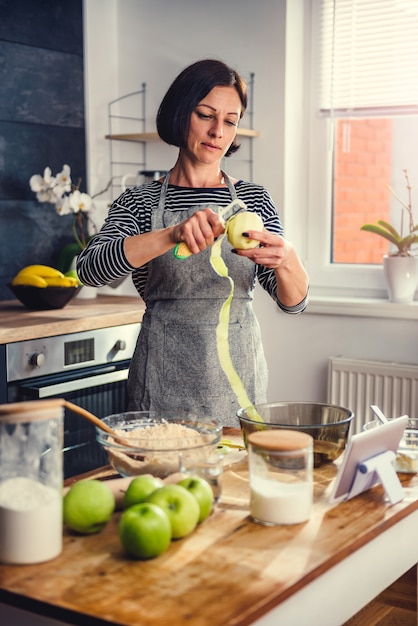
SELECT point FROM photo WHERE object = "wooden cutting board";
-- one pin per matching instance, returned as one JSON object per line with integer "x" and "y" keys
{"x": 230, "y": 571}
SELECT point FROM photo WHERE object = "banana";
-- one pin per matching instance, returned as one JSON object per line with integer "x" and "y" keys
{"x": 30, "y": 280}
{"x": 45, "y": 271}
{"x": 57, "y": 281}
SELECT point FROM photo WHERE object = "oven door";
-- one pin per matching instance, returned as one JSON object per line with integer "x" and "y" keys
{"x": 100, "y": 390}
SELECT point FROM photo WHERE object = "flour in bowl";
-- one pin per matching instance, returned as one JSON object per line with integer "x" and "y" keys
{"x": 164, "y": 436}
{"x": 159, "y": 449}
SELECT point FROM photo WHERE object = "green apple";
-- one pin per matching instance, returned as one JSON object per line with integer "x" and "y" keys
{"x": 202, "y": 491}
{"x": 88, "y": 506}
{"x": 180, "y": 506}
{"x": 242, "y": 223}
{"x": 144, "y": 530}
{"x": 73, "y": 274}
{"x": 140, "y": 488}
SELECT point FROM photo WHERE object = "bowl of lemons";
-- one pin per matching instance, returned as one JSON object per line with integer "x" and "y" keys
{"x": 41, "y": 287}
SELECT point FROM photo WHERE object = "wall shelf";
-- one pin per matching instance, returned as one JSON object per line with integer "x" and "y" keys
{"x": 140, "y": 137}
{"x": 126, "y": 126}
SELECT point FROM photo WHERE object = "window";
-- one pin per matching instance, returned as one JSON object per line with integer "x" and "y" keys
{"x": 363, "y": 134}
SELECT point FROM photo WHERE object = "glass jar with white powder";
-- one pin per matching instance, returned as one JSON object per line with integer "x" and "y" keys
{"x": 31, "y": 479}
{"x": 281, "y": 476}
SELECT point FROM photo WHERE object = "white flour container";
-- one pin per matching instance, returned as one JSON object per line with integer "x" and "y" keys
{"x": 31, "y": 479}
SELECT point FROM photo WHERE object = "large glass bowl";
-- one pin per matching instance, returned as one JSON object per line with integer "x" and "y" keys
{"x": 161, "y": 445}
{"x": 406, "y": 460}
{"x": 327, "y": 424}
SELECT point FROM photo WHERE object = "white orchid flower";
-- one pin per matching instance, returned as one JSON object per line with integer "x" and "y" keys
{"x": 37, "y": 183}
{"x": 43, "y": 186}
{"x": 63, "y": 180}
{"x": 46, "y": 195}
{"x": 80, "y": 202}
{"x": 63, "y": 206}
{"x": 67, "y": 198}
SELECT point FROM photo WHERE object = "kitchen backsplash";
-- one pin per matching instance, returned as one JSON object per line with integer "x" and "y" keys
{"x": 41, "y": 124}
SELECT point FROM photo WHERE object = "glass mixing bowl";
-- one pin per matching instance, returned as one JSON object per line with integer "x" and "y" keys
{"x": 407, "y": 454}
{"x": 327, "y": 424}
{"x": 148, "y": 443}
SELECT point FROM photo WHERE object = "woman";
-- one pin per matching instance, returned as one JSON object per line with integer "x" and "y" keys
{"x": 176, "y": 365}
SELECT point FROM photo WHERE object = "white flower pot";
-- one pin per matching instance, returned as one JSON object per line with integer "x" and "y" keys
{"x": 87, "y": 293}
{"x": 401, "y": 274}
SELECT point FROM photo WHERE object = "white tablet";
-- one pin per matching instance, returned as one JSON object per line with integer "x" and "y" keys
{"x": 362, "y": 447}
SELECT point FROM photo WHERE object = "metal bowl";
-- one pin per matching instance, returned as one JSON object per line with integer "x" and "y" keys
{"x": 160, "y": 445}
{"x": 406, "y": 461}
{"x": 327, "y": 424}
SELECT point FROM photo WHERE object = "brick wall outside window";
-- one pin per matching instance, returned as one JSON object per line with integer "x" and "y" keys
{"x": 361, "y": 195}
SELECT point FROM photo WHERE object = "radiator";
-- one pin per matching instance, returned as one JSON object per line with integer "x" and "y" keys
{"x": 355, "y": 385}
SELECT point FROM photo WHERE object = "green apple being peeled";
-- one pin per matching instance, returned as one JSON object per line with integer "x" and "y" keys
{"x": 242, "y": 223}
{"x": 145, "y": 530}
{"x": 88, "y": 506}
{"x": 180, "y": 506}
{"x": 202, "y": 491}
{"x": 140, "y": 488}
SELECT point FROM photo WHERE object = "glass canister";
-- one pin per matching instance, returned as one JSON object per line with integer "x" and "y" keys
{"x": 31, "y": 481}
{"x": 281, "y": 476}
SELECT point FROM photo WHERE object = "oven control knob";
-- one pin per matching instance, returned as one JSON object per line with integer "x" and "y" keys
{"x": 119, "y": 345}
{"x": 37, "y": 359}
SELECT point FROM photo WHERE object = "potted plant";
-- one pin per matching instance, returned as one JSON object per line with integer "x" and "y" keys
{"x": 401, "y": 265}
{"x": 67, "y": 198}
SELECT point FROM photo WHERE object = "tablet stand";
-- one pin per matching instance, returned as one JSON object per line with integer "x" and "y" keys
{"x": 378, "y": 468}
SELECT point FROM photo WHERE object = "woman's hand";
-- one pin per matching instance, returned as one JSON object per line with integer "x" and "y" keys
{"x": 278, "y": 254}
{"x": 198, "y": 231}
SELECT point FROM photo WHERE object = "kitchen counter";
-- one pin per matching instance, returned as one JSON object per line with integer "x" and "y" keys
{"x": 18, "y": 323}
{"x": 231, "y": 571}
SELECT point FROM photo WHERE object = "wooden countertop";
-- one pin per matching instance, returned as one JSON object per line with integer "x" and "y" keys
{"x": 18, "y": 323}
{"x": 230, "y": 571}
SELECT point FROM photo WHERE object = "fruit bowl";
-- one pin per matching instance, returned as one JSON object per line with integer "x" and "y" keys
{"x": 406, "y": 460}
{"x": 148, "y": 443}
{"x": 43, "y": 298}
{"x": 327, "y": 424}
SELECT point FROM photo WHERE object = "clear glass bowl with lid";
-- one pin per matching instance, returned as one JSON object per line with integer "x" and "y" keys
{"x": 281, "y": 476}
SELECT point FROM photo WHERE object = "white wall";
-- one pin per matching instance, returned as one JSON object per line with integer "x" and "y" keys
{"x": 133, "y": 41}
{"x": 129, "y": 42}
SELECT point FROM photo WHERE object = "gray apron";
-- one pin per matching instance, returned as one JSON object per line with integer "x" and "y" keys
{"x": 175, "y": 366}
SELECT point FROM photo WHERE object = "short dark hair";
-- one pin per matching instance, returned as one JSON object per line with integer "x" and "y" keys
{"x": 187, "y": 90}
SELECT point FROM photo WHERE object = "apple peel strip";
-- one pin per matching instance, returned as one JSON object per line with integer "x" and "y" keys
{"x": 222, "y": 331}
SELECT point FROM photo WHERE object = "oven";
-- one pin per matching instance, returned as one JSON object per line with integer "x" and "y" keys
{"x": 87, "y": 368}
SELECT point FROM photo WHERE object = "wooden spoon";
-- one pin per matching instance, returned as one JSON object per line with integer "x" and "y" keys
{"x": 34, "y": 410}
{"x": 92, "y": 418}
{"x": 96, "y": 421}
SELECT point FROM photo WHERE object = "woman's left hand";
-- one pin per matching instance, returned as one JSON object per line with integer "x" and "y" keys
{"x": 272, "y": 251}
{"x": 278, "y": 254}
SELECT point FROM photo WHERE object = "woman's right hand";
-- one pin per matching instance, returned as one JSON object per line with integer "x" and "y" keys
{"x": 199, "y": 231}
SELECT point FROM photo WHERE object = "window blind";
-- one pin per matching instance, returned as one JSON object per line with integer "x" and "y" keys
{"x": 369, "y": 57}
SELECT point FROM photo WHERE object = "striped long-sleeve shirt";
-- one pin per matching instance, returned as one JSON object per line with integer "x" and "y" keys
{"x": 104, "y": 259}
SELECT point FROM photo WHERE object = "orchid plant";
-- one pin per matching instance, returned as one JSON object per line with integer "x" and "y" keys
{"x": 67, "y": 198}
{"x": 403, "y": 243}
